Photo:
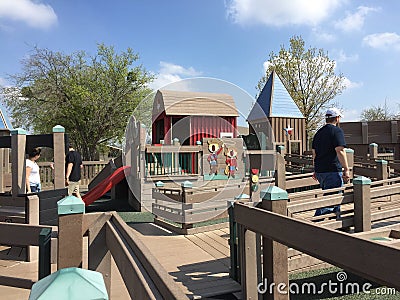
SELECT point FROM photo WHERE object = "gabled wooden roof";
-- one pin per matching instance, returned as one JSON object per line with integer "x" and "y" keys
{"x": 274, "y": 101}
{"x": 194, "y": 104}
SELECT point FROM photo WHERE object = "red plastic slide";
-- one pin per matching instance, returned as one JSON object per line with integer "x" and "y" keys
{"x": 105, "y": 185}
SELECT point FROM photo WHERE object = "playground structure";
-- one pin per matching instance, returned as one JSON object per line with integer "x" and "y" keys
{"x": 268, "y": 213}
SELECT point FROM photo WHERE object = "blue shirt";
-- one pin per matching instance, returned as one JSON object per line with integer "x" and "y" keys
{"x": 324, "y": 143}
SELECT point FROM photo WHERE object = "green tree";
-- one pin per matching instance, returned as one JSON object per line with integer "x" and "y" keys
{"x": 309, "y": 76}
{"x": 377, "y": 113}
{"x": 92, "y": 96}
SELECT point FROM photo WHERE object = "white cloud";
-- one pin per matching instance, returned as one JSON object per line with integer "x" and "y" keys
{"x": 34, "y": 14}
{"x": 383, "y": 41}
{"x": 283, "y": 12}
{"x": 354, "y": 21}
{"x": 3, "y": 82}
{"x": 323, "y": 36}
{"x": 341, "y": 57}
{"x": 351, "y": 84}
{"x": 170, "y": 73}
{"x": 351, "y": 115}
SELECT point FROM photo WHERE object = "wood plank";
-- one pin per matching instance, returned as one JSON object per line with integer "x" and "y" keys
{"x": 206, "y": 246}
{"x": 20, "y": 234}
{"x": 222, "y": 248}
{"x": 16, "y": 282}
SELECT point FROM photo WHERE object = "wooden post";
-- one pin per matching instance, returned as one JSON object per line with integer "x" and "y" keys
{"x": 362, "y": 204}
{"x": 249, "y": 262}
{"x": 18, "y": 141}
{"x": 280, "y": 170}
{"x": 394, "y": 131}
{"x": 70, "y": 238}
{"x": 32, "y": 218}
{"x": 373, "y": 151}
{"x": 233, "y": 237}
{"x": 350, "y": 160}
{"x": 59, "y": 156}
{"x": 275, "y": 255}
{"x": 185, "y": 185}
{"x": 2, "y": 169}
{"x": 382, "y": 169}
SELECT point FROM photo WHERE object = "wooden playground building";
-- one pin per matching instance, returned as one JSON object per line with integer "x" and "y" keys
{"x": 260, "y": 198}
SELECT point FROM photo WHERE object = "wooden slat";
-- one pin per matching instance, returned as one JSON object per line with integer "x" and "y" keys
{"x": 309, "y": 204}
{"x": 204, "y": 244}
{"x": 167, "y": 214}
{"x": 20, "y": 234}
{"x": 9, "y": 201}
{"x": 16, "y": 282}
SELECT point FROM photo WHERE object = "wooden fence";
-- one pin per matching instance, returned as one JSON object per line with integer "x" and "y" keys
{"x": 376, "y": 262}
{"x": 89, "y": 171}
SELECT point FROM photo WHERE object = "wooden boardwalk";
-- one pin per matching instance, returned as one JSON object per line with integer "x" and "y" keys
{"x": 199, "y": 263}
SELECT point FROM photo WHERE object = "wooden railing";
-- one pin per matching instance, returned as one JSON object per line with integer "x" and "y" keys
{"x": 29, "y": 236}
{"x": 377, "y": 262}
{"x": 172, "y": 160}
{"x": 89, "y": 171}
{"x": 365, "y": 205}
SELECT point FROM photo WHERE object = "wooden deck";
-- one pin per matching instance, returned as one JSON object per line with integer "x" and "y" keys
{"x": 199, "y": 263}
{"x": 12, "y": 264}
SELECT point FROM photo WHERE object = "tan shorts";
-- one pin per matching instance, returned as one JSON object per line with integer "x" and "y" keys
{"x": 73, "y": 187}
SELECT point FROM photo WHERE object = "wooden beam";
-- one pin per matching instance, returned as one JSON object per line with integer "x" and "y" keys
{"x": 20, "y": 234}
{"x": 137, "y": 282}
{"x": 164, "y": 282}
{"x": 16, "y": 282}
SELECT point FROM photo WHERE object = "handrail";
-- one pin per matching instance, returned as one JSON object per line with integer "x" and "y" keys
{"x": 317, "y": 242}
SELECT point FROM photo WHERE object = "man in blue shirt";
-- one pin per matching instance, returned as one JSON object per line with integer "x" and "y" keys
{"x": 330, "y": 162}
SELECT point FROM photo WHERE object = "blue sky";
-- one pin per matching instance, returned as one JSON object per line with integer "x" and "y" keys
{"x": 228, "y": 40}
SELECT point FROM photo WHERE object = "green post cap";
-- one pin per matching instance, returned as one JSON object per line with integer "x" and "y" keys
{"x": 361, "y": 180}
{"x": 186, "y": 184}
{"x": 58, "y": 128}
{"x": 348, "y": 150}
{"x": 280, "y": 148}
{"x": 273, "y": 193}
{"x": 373, "y": 145}
{"x": 70, "y": 283}
{"x": 18, "y": 131}
{"x": 159, "y": 184}
{"x": 70, "y": 205}
{"x": 382, "y": 161}
{"x": 242, "y": 197}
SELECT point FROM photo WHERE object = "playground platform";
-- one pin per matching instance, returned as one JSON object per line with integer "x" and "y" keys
{"x": 199, "y": 263}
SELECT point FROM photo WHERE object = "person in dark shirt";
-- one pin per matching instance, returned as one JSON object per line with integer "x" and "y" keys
{"x": 73, "y": 166}
{"x": 330, "y": 162}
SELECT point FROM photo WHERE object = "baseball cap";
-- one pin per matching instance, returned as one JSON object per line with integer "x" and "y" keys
{"x": 333, "y": 112}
